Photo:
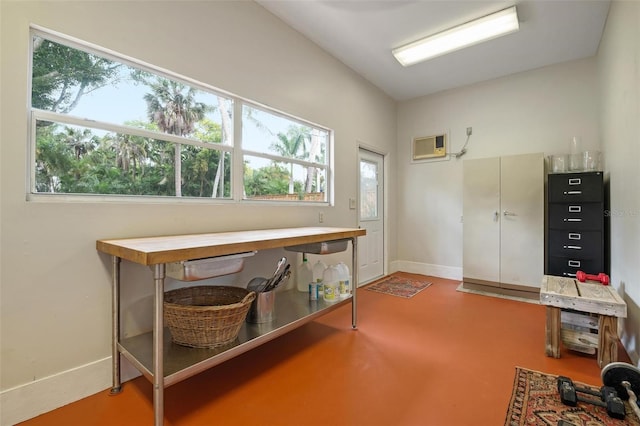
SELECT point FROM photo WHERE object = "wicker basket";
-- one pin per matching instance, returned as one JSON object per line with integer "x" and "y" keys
{"x": 206, "y": 316}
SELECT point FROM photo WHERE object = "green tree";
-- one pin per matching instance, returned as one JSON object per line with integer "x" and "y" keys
{"x": 80, "y": 141}
{"x": 271, "y": 180}
{"x": 289, "y": 145}
{"x": 62, "y": 75}
{"x": 172, "y": 106}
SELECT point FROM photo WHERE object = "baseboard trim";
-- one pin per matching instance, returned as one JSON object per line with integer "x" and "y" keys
{"x": 27, "y": 401}
{"x": 441, "y": 271}
{"x": 532, "y": 295}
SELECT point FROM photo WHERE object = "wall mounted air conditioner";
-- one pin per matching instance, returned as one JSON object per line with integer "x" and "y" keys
{"x": 428, "y": 147}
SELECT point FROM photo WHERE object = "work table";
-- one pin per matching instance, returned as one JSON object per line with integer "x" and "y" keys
{"x": 163, "y": 362}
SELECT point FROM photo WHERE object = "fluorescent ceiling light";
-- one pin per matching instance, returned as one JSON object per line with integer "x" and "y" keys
{"x": 473, "y": 32}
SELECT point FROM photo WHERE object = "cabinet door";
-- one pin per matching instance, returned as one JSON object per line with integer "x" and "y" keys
{"x": 481, "y": 221}
{"x": 522, "y": 220}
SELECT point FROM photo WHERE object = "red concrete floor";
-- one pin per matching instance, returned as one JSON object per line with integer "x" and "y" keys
{"x": 440, "y": 358}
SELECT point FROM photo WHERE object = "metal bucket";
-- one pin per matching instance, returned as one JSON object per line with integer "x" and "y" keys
{"x": 262, "y": 308}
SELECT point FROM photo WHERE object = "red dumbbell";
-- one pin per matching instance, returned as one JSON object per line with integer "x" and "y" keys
{"x": 602, "y": 277}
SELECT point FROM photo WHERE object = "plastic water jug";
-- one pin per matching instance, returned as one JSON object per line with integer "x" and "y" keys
{"x": 304, "y": 275}
{"x": 330, "y": 282}
{"x": 344, "y": 280}
{"x": 317, "y": 274}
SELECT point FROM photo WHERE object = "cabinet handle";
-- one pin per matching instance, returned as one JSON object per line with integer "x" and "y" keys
{"x": 575, "y": 209}
{"x": 508, "y": 213}
{"x": 575, "y": 181}
{"x": 571, "y": 219}
{"x": 572, "y": 192}
{"x": 574, "y": 236}
{"x": 574, "y": 263}
{"x": 572, "y": 247}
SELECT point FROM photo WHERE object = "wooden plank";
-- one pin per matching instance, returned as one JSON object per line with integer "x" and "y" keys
{"x": 567, "y": 293}
{"x": 552, "y": 332}
{"x": 579, "y": 338}
{"x": 579, "y": 319}
{"x": 604, "y": 298}
{"x": 176, "y": 248}
{"x": 608, "y": 340}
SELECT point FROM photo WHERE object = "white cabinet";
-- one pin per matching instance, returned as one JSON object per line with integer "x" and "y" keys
{"x": 503, "y": 221}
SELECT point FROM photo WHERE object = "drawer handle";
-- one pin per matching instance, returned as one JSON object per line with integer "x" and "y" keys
{"x": 568, "y": 274}
{"x": 572, "y": 219}
{"x": 572, "y": 192}
{"x": 574, "y": 236}
{"x": 575, "y": 181}
{"x": 572, "y": 247}
{"x": 575, "y": 209}
{"x": 574, "y": 263}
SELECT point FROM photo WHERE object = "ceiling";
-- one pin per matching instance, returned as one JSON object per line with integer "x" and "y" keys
{"x": 361, "y": 34}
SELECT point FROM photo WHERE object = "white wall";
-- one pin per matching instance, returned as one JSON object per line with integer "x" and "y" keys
{"x": 619, "y": 82}
{"x": 535, "y": 111}
{"x": 55, "y": 288}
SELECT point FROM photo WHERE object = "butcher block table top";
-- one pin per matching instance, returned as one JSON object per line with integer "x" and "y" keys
{"x": 176, "y": 248}
{"x": 568, "y": 293}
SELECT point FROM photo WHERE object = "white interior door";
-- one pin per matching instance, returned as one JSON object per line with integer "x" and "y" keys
{"x": 481, "y": 221}
{"x": 522, "y": 211}
{"x": 371, "y": 216}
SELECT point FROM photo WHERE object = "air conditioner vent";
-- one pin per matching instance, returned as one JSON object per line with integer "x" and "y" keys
{"x": 430, "y": 147}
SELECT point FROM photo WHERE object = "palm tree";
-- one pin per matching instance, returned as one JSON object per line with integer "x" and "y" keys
{"x": 81, "y": 141}
{"x": 226, "y": 136}
{"x": 172, "y": 106}
{"x": 131, "y": 151}
{"x": 289, "y": 145}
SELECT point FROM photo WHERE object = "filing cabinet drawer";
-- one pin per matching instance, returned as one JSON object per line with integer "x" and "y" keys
{"x": 578, "y": 216}
{"x": 575, "y": 244}
{"x": 567, "y": 267}
{"x": 575, "y": 187}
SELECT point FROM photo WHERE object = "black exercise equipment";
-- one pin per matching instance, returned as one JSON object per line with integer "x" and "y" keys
{"x": 625, "y": 379}
{"x": 609, "y": 399}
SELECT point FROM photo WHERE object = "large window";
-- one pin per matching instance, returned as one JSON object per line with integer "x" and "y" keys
{"x": 110, "y": 126}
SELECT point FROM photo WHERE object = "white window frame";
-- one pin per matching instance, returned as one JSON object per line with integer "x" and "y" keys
{"x": 236, "y": 150}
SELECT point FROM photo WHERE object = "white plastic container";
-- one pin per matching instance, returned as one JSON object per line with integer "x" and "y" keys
{"x": 304, "y": 275}
{"x": 330, "y": 282}
{"x": 317, "y": 273}
{"x": 344, "y": 280}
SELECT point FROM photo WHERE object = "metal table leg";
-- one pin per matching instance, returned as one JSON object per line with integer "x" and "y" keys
{"x": 158, "y": 345}
{"x": 115, "y": 321}
{"x": 354, "y": 282}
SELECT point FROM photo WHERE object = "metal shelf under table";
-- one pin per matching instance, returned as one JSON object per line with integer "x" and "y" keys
{"x": 293, "y": 309}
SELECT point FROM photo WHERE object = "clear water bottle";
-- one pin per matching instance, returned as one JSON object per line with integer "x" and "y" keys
{"x": 317, "y": 274}
{"x": 304, "y": 275}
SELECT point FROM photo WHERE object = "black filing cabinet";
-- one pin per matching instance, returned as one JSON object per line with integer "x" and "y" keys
{"x": 575, "y": 224}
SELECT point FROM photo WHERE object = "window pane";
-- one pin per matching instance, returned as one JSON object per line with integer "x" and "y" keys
{"x": 278, "y": 181}
{"x": 273, "y": 134}
{"x": 75, "y": 159}
{"x": 86, "y": 85}
{"x": 368, "y": 190}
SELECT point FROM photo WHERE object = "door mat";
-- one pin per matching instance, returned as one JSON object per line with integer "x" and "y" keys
{"x": 398, "y": 286}
{"x": 535, "y": 402}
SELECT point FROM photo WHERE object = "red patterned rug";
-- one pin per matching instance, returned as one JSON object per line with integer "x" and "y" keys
{"x": 398, "y": 286}
{"x": 535, "y": 402}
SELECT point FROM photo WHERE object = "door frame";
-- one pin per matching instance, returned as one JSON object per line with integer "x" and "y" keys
{"x": 383, "y": 203}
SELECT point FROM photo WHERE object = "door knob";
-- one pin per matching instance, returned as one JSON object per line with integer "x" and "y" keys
{"x": 508, "y": 213}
